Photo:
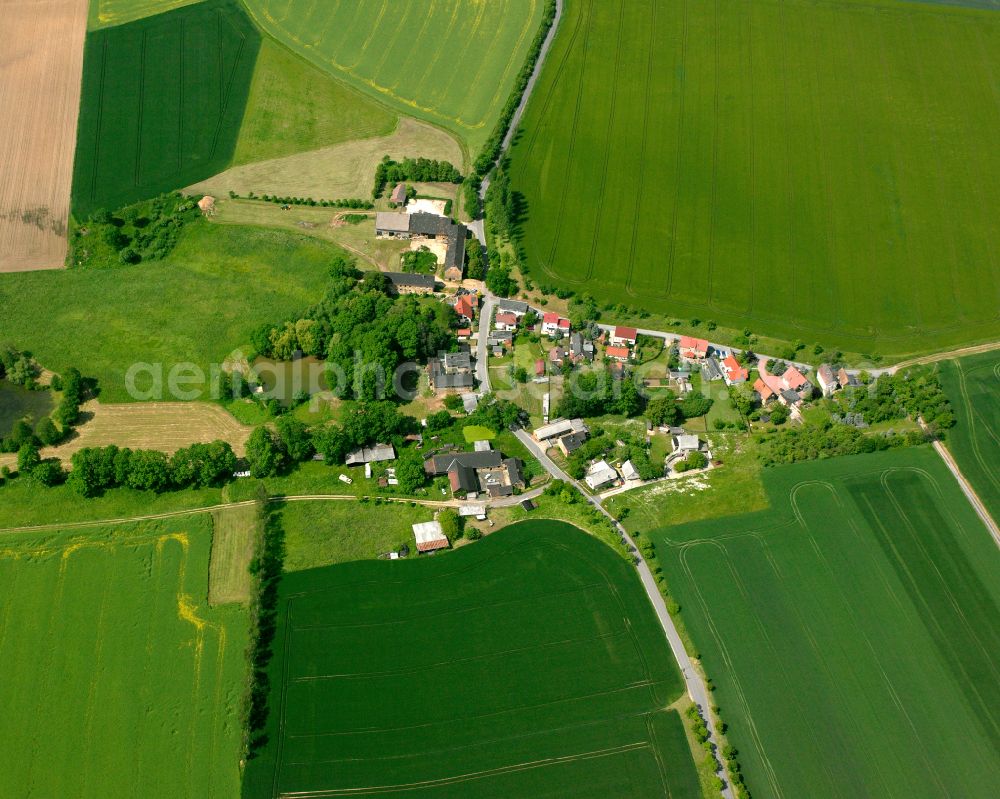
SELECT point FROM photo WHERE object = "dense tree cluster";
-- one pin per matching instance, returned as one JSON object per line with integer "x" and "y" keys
{"x": 364, "y": 330}
{"x": 18, "y": 367}
{"x": 904, "y": 394}
{"x": 475, "y": 261}
{"x": 599, "y": 393}
{"x": 363, "y": 424}
{"x": 470, "y": 196}
{"x": 423, "y": 170}
{"x": 498, "y": 277}
{"x": 421, "y": 260}
{"x": 96, "y": 469}
{"x": 810, "y": 442}
{"x": 144, "y": 231}
{"x": 350, "y": 202}
{"x": 498, "y": 414}
{"x": 501, "y": 204}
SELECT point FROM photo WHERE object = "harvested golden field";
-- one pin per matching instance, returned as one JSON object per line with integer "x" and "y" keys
{"x": 338, "y": 172}
{"x": 41, "y": 62}
{"x": 166, "y": 426}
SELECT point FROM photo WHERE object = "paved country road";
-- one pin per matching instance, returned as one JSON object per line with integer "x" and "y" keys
{"x": 969, "y": 491}
{"x": 515, "y": 120}
{"x": 696, "y": 687}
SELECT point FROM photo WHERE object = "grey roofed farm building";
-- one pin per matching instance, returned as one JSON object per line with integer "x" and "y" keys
{"x": 558, "y": 428}
{"x": 392, "y": 225}
{"x": 376, "y": 454}
{"x": 442, "y": 464}
{"x": 410, "y": 282}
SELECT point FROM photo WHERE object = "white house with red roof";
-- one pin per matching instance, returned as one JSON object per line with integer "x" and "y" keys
{"x": 693, "y": 349}
{"x": 505, "y": 321}
{"x": 465, "y": 306}
{"x": 620, "y": 354}
{"x": 624, "y": 337}
{"x": 555, "y": 325}
{"x": 732, "y": 372}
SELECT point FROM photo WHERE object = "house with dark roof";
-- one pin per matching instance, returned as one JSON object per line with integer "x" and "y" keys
{"x": 516, "y": 307}
{"x": 422, "y": 226}
{"x": 571, "y": 442}
{"x": 411, "y": 282}
{"x": 451, "y": 369}
{"x": 483, "y": 470}
{"x": 580, "y": 348}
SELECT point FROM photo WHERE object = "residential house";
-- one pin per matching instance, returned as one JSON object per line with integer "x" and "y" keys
{"x": 554, "y": 325}
{"x": 791, "y": 389}
{"x": 465, "y": 307}
{"x": 375, "y": 454}
{"x": 846, "y": 380}
{"x": 685, "y": 442}
{"x": 623, "y": 337}
{"x": 505, "y": 320}
{"x": 828, "y": 382}
{"x": 516, "y": 307}
{"x": 558, "y": 428}
{"x": 711, "y": 370}
{"x": 429, "y": 536}
{"x": 600, "y": 474}
{"x": 732, "y": 372}
{"x": 571, "y": 442}
{"x": 411, "y": 282}
{"x": 580, "y": 348}
{"x": 620, "y": 354}
{"x": 558, "y": 355}
{"x": 451, "y": 370}
{"x": 629, "y": 472}
{"x": 500, "y": 338}
{"x": 693, "y": 349}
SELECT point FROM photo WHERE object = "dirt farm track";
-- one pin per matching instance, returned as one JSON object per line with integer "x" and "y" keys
{"x": 41, "y": 62}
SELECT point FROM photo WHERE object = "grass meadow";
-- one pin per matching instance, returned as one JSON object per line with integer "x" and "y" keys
{"x": 294, "y": 107}
{"x": 852, "y": 630}
{"x": 810, "y": 170}
{"x": 973, "y": 386}
{"x": 449, "y": 62}
{"x": 529, "y": 664}
{"x": 116, "y": 678}
{"x": 162, "y": 102}
{"x": 197, "y": 305}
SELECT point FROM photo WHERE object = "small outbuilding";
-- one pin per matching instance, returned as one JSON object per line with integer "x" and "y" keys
{"x": 429, "y": 536}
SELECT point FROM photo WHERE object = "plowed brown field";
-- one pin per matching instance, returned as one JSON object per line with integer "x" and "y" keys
{"x": 41, "y": 62}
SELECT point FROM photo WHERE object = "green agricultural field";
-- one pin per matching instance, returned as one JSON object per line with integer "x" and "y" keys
{"x": 197, "y": 305}
{"x": 527, "y": 664}
{"x": 450, "y": 62}
{"x": 852, "y": 630}
{"x": 824, "y": 171}
{"x": 105, "y": 13}
{"x": 162, "y": 102}
{"x": 973, "y": 386}
{"x": 294, "y": 107}
{"x": 116, "y": 678}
